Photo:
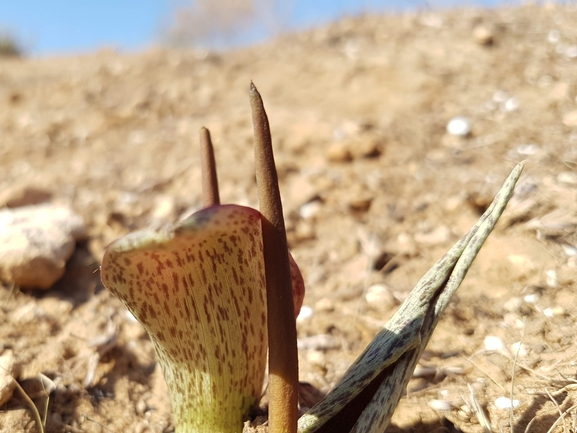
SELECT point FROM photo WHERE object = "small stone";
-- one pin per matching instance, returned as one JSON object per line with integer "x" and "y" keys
{"x": 554, "y": 311}
{"x": 24, "y": 195}
{"x": 510, "y": 105}
{"x": 380, "y": 296}
{"x": 302, "y": 191}
{"x": 570, "y": 119}
{"x": 567, "y": 177}
{"x": 521, "y": 266}
{"x": 551, "y": 279}
{"x": 310, "y": 209}
{"x": 483, "y": 35}
{"x": 35, "y": 242}
{"x": 316, "y": 358}
{"x": 164, "y": 208}
{"x": 324, "y": 304}
{"x": 519, "y": 349}
{"x": 365, "y": 146}
{"x": 528, "y": 149}
{"x": 571, "y": 52}
{"x": 554, "y": 36}
{"x": 319, "y": 342}
{"x": 513, "y": 305}
{"x": 437, "y": 236}
{"x": 493, "y": 344}
{"x": 339, "y": 152}
{"x": 559, "y": 91}
{"x": 305, "y": 313}
{"x": 360, "y": 204}
{"x": 7, "y": 383}
{"x": 506, "y": 403}
{"x": 440, "y": 405}
{"x": 459, "y": 126}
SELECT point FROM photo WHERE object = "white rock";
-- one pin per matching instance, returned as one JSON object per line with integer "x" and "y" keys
{"x": 554, "y": 36}
{"x": 459, "y": 126}
{"x": 440, "y": 405}
{"x": 531, "y": 298}
{"x": 528, "y": 149}
{"x": 35, "y": 242}
{"x": 551, "y": 279}
{"x": 305, "y": 313}
{"x": 553, "y": 311}
{"x": 310, "y": 209}
{"x": 570, "y": 119}
{"x": 493, "y": 344}
{"x": 571, "y": 52}
{"x": 7, "y": 383}
{"x": 506, "y": 403}
{"x": 381, "y": 296}
{"x": 567, "y": 177}
{"x": 510, "y": 105}
{"x": 519, "y": 349}
{"x": 483, "y": 35}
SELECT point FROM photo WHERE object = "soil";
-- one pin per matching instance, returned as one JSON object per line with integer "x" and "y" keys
{"x": 375, "y": 191}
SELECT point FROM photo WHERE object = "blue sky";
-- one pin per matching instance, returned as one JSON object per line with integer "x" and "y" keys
{"x": 63, "y": 26}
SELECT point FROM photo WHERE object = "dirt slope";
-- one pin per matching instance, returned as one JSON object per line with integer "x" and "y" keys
{"x": 375, "y": 192}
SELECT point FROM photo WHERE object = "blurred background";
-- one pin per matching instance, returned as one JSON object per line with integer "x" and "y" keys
{"x": 40, "y": 27}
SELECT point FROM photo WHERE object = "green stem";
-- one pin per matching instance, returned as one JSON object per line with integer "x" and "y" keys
{"x": 282, "y": 337}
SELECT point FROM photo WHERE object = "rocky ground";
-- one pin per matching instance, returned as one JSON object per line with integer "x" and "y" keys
{"x": 375, "y": 191}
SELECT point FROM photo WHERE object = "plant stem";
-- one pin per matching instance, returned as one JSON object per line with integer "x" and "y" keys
{"x": 210, "y": 195}
{"x": 282, "y": 337}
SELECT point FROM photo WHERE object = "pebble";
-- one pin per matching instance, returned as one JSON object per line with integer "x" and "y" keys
{"x": 570, "y": 119}
{"x": 483, "y": 35}
{"x": 365, "y": 147}
{"x": 506, "y": 403}
{"x": 567, "y": 177}
{"x": 305, "y": 313}
{"x": 551, "y": 279}
{"x": 519, "y": 349}
{"x": 513, "y": 304}
{"x": 440, "y": 405}
{"x": 24, "y": 195}
{"x": 554, "y": 312}
{"x": 310, "y": 209}
{"x": 35, "y": 242}
{"x": 361, "y": 203}
{"x": 436, "y": 236}
{"x": 319, "y": 342}
{"x": 531, "y": 299}
{"x": 459, "y": 126}
{"x": 493, "y": 344}
{"x": 7, "y": 383}
{"x": 571, "y": 52}
{"x": 381, "y": 296}
{"x": 339, "y": 152}
{"x": 316, "y": 358}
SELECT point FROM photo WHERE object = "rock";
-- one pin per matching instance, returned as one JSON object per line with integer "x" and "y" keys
{"x": 571, "y": 52}
{"x": 35, "y": 242}
{"x": 437, "y": 236}
{"x": 559, "y": 91}
{"x": 380, "y": 296}
{"x": 7, "y": 383}
{"x": 24, "y": 195}
{"x": 567, "y": 177}
{"x": 483, "y": 35}
{"x": 570, "y": 119}
{"x": 339, "y": 152}
{"x": 459, "y": 126}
